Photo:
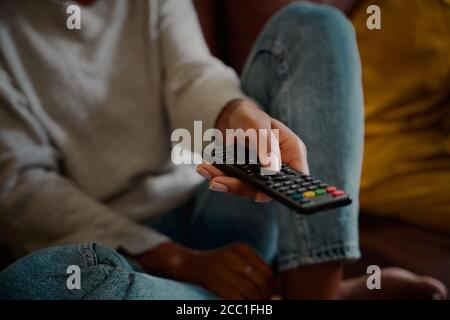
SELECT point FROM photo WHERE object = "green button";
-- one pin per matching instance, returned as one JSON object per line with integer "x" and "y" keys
{"x": 320, "y": 192}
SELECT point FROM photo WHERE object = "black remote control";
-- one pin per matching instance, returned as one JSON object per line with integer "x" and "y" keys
{"x": 294, "y": 189}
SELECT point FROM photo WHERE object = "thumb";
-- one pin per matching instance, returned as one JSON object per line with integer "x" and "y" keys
{"x": 269, "y": 151}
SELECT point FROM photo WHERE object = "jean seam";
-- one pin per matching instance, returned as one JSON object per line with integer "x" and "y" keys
{"x": 88, "y": 254}
{"x": 275, "y": 48}
{"x": 279, "y": 52}
{"x": 131, "y": 279}
{"x": 331, "y": 252}
{"x": 106, "y": 270}
{"x": 301, "y": 232}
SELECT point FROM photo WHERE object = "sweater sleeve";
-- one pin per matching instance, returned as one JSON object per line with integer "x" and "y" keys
{"x": 197, "y": 86}
{"x": 39, "y": 206}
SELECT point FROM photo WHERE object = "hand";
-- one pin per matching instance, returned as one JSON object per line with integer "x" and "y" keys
{"x": 232, "y": 272}
{"x": 245, "y": 114}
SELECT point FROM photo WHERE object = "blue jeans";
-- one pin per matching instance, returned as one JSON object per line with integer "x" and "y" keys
{"x": 303, "y": 70}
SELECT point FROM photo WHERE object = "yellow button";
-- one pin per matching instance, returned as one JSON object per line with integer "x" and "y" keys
{"x": 309, "y": 194}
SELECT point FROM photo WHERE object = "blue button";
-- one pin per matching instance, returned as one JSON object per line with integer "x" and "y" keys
{"x": 297, "y": 196}
{"x": 304, "y": 201}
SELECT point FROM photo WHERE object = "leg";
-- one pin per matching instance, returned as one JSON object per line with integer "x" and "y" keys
{"x": 104, "y": 275}
{"x": 304, "y": 70}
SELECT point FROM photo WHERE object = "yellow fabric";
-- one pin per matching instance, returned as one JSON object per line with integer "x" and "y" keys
{"x": 406, "y": 76}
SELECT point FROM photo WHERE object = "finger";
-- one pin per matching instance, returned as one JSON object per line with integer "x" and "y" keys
{"x": 261, "y": 281}
{"x": 267, "y": 145}
{"x": 300, "y": 165}
{"x": 227, "y": 291}
{"x": 259, "y": 123}
{"x": 250, "y": 255}
{"x": 264, "y": 145}
{"x": 274, "y": 152}
{"x": 262, "y": 197}
{"x": 293, "y": 150}
{"x": 269, "y": 152}
{"x": 208, "y": 171}
{"x": 231, "y": 185}
{"x": 301, "y": 162}
{"x": 241, "y": 283}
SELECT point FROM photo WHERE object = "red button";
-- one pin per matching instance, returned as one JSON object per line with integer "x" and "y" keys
{"x": 331, "y": 189}
{"x": 338, "y": 193}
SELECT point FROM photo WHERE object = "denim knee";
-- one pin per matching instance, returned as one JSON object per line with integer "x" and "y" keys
{"x": 43, "y": 274}
{"x": 317, "y": 20}
{"x": 304, "y": 41}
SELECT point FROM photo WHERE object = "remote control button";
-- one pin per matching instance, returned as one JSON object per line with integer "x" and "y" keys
{"x": 299, "y": 180}
{"x": 309, "y": 194}
{"x": 301, "y": 190}
{"x": 304, "y": 201}
{"x": 320, "y": 192}
{"x": 323, "y": 185}
{"x": 277, "y": 178}
{"x": 289, "y": 192}
{"x": 338, "y": 193}
{"x": 295, "y": 186}
{"x": 283, "y": 189}
{"x": 276, "y": 185}
{"x": 312, "y": 188}
{"x": 306, "y": 184}
{"x": 316, "y": 182}
{"x": 297, "y": 196}
{"x": 288, "y": 183}
{"x": 331, "y": 189}
{"x": 309, "y": 179}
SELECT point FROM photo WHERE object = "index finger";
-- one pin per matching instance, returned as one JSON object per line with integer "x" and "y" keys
{"x": 247, "y": 252}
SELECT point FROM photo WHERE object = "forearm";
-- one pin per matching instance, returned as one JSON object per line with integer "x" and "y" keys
{"x": 49, "y": 209}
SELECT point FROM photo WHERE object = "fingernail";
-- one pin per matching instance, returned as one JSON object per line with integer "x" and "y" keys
{"x": 218, "y": 187}
{"x": 262, "y": 198}
{"x": 205, "y": 174}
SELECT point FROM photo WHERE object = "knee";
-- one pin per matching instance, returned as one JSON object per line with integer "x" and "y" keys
{"x": 44, "y": 274}
{"x": 27, "y": 278}
{"x": 312, "y": 22}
